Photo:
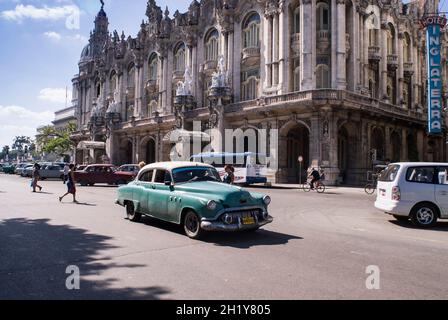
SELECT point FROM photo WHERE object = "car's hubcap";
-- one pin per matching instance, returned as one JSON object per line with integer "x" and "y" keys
{"x": 425, "y": 216}
{"x": 192, "y": 223}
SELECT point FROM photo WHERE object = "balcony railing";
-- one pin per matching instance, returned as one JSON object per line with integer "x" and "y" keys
{"x": 374, "y": 53}
{"x": 392, "y": 61}
{"x": 408, "y": 68}
{"x": 295, "y": 43}
{"x": 210, "y": 65}
{"x": 251, "y": 52}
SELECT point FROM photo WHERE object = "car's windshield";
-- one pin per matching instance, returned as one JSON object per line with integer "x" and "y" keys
{"x": 194, "y": 174}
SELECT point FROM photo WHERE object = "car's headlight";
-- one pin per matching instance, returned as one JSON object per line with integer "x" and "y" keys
{"x": 267, "y": 200}
{"x": 211, "y": 205}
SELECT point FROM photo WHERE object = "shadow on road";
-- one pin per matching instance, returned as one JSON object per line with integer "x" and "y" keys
{"x": 246, "y": 240}
{"x": 440, "y": 226}
{"x": 35, "y": 255}
{"x": 241, "y": 240}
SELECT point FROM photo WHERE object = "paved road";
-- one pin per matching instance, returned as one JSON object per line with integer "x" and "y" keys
{"x": 318, "y": 247}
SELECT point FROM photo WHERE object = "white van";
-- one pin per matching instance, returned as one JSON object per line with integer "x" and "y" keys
{"x": 414, "y": 190}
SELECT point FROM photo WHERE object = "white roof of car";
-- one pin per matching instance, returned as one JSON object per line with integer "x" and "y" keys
{"x": 175, "y": 164}
{"x": 420, "y": 164}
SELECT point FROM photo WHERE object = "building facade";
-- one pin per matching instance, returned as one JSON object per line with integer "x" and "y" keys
{"x": 343, "y": 82}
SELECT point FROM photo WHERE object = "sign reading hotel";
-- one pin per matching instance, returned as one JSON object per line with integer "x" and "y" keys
{"x": 433, "y": 25}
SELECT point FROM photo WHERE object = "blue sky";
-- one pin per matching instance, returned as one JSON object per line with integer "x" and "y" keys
{"x": 39, "y": 52}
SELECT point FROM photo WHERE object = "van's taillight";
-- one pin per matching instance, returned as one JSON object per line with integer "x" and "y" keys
{"x": 396, "y": 195}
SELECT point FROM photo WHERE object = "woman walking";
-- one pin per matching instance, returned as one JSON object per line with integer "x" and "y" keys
{"x": 36, "y": 178}
{"x": 71, "y": 189}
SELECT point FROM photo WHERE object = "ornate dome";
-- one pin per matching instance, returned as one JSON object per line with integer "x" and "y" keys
{"x": 86, "y": 54}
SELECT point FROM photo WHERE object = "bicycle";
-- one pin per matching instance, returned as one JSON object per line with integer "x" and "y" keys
{"x": 319, "y": 186}
{"x": 371, "y": 187}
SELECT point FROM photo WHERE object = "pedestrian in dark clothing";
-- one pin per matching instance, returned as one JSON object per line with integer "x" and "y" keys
{"x": 71, "y": 188}
{"x": 229, "y": 178}
{"x": 36, "y": 178}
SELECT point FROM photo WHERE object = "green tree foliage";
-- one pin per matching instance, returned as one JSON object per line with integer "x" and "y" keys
{"x": 57, "y": 141}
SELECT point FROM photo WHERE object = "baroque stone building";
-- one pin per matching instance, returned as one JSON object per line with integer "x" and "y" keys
{"x": 343, "y": 81}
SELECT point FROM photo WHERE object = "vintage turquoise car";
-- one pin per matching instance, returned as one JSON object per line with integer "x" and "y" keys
{"x": 9, "y": 169}
{"x": 192, "y": 195}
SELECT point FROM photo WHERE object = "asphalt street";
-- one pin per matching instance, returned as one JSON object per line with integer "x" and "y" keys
{"x": 318, "y": 247}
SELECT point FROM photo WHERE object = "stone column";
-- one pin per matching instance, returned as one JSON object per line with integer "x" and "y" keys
{"x": 314, "y": 140}
{"x": 338, "y": 12}
{"x": 168, "y": 107}
{"x": 268, "y": 40}
{"x": 400, "y": 70}
{"x": 404, "y": 145}
{"x": 284, "y": 36}
{"x": 275, "y": 50}
{"x": 365, "y": 56}
{"x": 383, "y": 64}
{"x": 388, "y": 146}
{"x": 231, "y": 57}
{"x": 308, "y": 44}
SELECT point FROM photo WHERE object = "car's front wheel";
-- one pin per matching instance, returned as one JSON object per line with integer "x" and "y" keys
{"x": 192, "y": 225}
{"x": 424, "y": 215}
{"x": 131, "y": 213}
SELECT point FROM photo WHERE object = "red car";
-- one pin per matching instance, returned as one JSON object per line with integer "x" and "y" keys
{"x": 102, "y": 173}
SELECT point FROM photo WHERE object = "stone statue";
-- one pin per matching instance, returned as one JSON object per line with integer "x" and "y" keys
{"x": 184, "y": 88}
{"x": 113, "y": 105}
{"x": 219, "y": 78}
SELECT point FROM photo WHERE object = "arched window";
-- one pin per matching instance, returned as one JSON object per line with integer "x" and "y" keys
{"x": 179, "y": 58}
{"x": 297, "y": 79}
{"x": 251, "y": 31}
{"x": 113, "y": 82}
{"x": 131, "y": 76}
{"x": 372, "y": 37}
{"x": 406, "y": 48}
{"x": 390, "y": 40}
{"x": 323, "y": 17}
{"x": 212, "y": 45}
{"x": 153, "y": 67}
{"x": 322, "y": 76}
{"x": 296, "y": 26}
{"x": 250, "y": 88}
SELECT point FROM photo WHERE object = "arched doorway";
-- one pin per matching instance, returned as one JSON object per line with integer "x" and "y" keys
{"x": 126, "y": 152}
{"x": 297, "y": 144}
{"x": 348, "y": 154}
{"x": 378, "y": 144}
{"x": 396, "y": 146}
{"x": 150, "y": 154}
{"x": 413, "y": 155}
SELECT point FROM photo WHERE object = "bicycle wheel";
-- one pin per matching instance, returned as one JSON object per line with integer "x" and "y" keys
{"x": 306, "y": 187}
{"x": 370, "y": 189}
{"x": 321, "y": 188}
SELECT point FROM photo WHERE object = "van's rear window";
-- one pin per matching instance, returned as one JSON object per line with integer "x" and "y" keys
{"x": 389, "y": 174}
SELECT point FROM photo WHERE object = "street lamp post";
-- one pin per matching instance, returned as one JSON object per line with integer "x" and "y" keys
{"x": 300, "y": 169}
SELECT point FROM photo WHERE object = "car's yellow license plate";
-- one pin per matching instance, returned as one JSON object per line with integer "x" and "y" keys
{"x": 248, "y": 220}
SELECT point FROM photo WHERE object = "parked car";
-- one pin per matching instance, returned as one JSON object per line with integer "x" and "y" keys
{"x": 52, "y": 171}
{"x": 102, "y": 173}
{"x": 192, "y": 195}
{"x": 131, "y": 168}
{"x": 415, "y": 191}
{"x": 27, "y": 171}
{"x": 9, "y": 168}
{"x": 20, "y": 167}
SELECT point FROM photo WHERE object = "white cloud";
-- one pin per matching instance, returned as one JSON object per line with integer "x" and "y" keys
{"x": 57, "y": 95}
{"x": 18, "y": 121}
{"x": 22, "y": 12}
{"x": 53, "y": 35}
{"x": 57, "y": 37}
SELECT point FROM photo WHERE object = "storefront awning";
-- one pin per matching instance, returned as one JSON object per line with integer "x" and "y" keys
{"x": 89, "y": 145}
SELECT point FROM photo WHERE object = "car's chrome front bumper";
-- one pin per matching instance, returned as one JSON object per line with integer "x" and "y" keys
{"x": 220, "y": 226}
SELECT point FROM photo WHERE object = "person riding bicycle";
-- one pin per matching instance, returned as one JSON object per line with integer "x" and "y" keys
{"x": 315, "y": 175}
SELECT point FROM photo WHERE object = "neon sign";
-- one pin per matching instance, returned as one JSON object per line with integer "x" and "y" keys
{"x": 433, "y": 24}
